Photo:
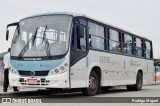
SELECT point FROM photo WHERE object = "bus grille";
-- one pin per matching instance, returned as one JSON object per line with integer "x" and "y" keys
{"x": 37, "y": 73}
{"x": 40, "y": 82}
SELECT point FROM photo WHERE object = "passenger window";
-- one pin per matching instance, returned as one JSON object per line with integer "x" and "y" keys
{"x": 127, "y": 45}
{"x": 128, "y": 39}
{"x": 96, "y": 33}
{"x": 114, "y": 35}
{"x": 114, "y": 43}
{"x": 148, "y": 45}
{"x": 138, "y": 48}
{"x": 147, "y": 50}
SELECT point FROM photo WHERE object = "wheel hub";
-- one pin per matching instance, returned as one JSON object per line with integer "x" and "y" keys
{"x": 92, "y": 83}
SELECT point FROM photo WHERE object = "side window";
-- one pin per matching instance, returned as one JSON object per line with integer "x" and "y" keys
{"x": 79, "y": 38}
{"x": 127, "y": 44}
{"x": 147, "y": 49}
{"x": 114, "y": 42}
{"x": 138, "y": 47}
{"x": 96, "y": 36}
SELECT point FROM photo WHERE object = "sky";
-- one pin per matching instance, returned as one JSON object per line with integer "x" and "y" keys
{"x": 141, "y": 17}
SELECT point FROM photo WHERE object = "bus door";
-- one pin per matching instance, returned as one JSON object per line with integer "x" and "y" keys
{"x": 78, "y": 56}
{"x": 79, "y": 42}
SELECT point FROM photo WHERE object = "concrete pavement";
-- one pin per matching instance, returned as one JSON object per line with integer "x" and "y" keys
{"x": 147, "y": 91}
{"x": 10, "y": 89}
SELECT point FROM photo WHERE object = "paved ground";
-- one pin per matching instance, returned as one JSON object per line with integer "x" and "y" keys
{"x": 10, "y": 89}
{"x": 148, "y": 91}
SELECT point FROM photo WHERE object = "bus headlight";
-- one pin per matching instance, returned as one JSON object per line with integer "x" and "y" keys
{"x": 58, "y": 70}
{"x": 62, "y": 68}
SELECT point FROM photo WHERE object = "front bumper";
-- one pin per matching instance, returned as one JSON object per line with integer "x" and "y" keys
{"x": 55, "y": 81}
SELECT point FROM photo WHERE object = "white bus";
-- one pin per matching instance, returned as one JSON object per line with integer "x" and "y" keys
{"x": 67, "y": 51}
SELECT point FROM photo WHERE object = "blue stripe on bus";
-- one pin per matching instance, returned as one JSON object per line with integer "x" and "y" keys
{"x": 36, "y": 65}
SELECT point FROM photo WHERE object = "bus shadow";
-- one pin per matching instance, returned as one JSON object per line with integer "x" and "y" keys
{"x": 41, "y": 93}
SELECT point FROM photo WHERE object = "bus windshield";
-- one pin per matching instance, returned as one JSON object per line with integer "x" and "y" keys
{"x": 42, "y": 36}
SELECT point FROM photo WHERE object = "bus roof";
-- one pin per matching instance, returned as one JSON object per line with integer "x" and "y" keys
{"x": 83, "y": 15}
{"x": 58, "y": 13}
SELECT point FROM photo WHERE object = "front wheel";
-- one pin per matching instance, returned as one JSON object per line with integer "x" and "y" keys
{"x": 93, "y": 85}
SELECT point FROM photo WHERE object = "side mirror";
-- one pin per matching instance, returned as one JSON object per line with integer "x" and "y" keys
{"x": 7, "y": 34}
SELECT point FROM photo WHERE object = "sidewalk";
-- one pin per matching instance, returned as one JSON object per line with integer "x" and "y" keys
{"x": 157, "y": 83}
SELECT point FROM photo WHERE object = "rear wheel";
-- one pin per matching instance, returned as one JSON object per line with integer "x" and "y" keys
{"x": 93, "y": 85}
{"x": 138, "y": 85}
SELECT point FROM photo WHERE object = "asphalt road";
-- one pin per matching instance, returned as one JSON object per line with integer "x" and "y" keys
{"x": 115, "y": 97}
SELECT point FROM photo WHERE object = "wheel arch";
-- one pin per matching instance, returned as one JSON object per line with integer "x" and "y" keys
{"x": 141, "y": 71}
{"x": 98, "y": 71}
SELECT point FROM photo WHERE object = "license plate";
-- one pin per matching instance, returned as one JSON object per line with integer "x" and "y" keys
{"x": 32, "y": 81}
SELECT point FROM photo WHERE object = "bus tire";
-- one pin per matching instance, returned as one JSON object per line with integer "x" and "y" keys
{"x": 93, "y": 85}
{"x": 138, "y": 85}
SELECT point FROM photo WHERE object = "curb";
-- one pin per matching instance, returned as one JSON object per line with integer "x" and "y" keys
{"x": 158, "y": 83}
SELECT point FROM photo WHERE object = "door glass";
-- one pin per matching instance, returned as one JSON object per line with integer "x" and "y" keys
{"x": 79, "y": 38}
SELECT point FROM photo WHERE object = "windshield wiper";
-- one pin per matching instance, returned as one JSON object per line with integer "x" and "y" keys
{"x": 25, "y": 48}
{"x": 44, "y": 34}
{"x": 46, "y": 43}
{"x": 47, "y": 48}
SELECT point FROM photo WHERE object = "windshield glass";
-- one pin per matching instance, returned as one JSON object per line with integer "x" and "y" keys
{"x": 42, "y": 36}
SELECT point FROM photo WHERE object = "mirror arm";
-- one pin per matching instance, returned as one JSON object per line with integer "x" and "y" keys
{"x": 13, "y": 24}
{"x": 7, "y": 32}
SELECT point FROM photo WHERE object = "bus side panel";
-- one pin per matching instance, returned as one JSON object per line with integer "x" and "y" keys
{"x": 148, "y": 74}
{"x": 119, "y": 69}
{"x": 78, "y": 73}
{"x": 115, "y": 69}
